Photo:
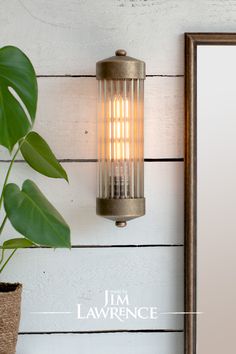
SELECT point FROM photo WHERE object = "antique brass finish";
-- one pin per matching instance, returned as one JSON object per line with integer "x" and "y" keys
{"x": 120, "y": 194}
{"x": 120, "y": 67}
{"x": 121, "y": 210}
{"x": 121, "y": 223}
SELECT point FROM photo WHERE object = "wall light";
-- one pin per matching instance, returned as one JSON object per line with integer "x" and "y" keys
{"x": 120, "y": 192}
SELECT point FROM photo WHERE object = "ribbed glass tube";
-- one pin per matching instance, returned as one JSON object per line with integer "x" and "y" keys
{"x": 120, "y": 139}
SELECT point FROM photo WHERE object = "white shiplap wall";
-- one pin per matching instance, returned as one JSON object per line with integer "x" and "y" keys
{"x": 64, "y": 39}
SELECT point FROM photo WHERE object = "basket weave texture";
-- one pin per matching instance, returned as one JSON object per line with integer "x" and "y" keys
{"x": 10, "y": 304}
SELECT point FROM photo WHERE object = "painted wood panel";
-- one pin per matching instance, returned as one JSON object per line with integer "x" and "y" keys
{"x": 66, "y": 117}
{"x": 162, "y": 224}
{"x": 127, "y": 343}
{"x": 59, "y": 280}
{"x": 68, "y": 37}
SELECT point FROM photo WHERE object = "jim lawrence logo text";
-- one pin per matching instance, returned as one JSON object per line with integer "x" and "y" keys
{"x": 117, "y": 306}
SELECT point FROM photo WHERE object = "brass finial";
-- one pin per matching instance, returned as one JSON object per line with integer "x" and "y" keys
{"x": 121, "y": 223}
{"x": 121, "y": 53}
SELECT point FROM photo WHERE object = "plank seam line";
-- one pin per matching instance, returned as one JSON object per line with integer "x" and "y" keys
{"x": 128, "y": 246}
{"x": 117, "y": 246}
{"x": 93, "y": 76}
{"x": 177, "y": 159}
{"x": 106, "y": 331}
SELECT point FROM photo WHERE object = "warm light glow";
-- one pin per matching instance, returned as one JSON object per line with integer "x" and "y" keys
{"x": 120, "y": 137}
{"x": 119, "y": 129}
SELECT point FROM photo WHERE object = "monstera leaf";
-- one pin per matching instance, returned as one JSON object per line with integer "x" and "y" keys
{"x": 17, "y": 243}
{"x": 18, "y": 95}
{"x": 31, "y": 214}
{"x": 40, "y": 157}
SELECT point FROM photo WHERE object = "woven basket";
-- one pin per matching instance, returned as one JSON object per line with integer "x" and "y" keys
{"x": 10, "y": 303}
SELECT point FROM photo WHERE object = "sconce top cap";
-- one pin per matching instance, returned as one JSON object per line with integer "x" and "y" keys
{"x": 120, "y": 67}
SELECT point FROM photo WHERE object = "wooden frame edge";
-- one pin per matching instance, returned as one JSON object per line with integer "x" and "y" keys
{"x": 190, "y": 196}
{"x": 192, "y": 40}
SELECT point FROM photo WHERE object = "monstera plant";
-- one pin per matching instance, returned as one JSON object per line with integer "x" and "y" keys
{"x": 26, "y": 207}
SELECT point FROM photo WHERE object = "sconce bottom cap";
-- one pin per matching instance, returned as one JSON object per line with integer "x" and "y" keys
{"x": 120, "y": 210}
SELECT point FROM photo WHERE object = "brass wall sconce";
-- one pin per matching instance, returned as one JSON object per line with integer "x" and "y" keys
{"x": 120, "y": 192}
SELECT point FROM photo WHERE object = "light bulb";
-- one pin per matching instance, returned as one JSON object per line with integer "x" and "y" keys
{"x": 119, "y": 128}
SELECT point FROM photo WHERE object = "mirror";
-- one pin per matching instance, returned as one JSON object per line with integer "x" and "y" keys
{"x": 210, "y": 193}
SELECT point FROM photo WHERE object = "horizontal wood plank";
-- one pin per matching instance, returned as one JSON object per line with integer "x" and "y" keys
{"x": 162, "y": 224}
{"x": 59, "y": 280}
{"x": 66, "y": 117}
{"x": 68, "y": 37}
{"x": 115, "y": 343}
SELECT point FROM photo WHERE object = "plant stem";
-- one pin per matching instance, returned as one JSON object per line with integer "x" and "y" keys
{"x": 3, "y": 224}
{"x": 2, "y": 256}
{"x": 8, "y": 172}
{"x": 8, "y": 259}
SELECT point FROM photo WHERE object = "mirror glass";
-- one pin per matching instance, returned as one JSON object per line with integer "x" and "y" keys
{"x": 216, "y": 199}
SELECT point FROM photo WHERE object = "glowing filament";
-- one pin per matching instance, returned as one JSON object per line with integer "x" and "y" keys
{"x": 119, "y": 130}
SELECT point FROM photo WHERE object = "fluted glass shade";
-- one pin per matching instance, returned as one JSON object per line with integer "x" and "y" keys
{"x": 120, "y": 139}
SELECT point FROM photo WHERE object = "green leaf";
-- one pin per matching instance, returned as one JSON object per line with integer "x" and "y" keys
{"x": 17, "y": 243}
{"x": 40, "y": 157}
{"x": 16, "y": 73}
{"x": 34, "y": 217}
